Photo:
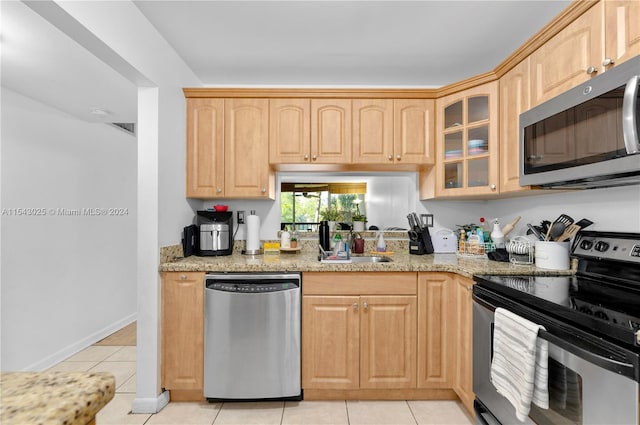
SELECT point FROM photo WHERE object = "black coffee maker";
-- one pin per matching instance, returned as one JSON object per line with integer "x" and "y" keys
{"x": 212, "y": 235}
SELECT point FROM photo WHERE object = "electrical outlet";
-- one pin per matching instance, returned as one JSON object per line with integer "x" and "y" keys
{"x": 240, "y": 217}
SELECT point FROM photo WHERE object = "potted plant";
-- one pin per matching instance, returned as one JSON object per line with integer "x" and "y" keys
{"x": 331, "y": 216}
{"x": 358, "y": 221}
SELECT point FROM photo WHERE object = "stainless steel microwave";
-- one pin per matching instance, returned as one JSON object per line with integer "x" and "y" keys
{"x": 586, "y": 137}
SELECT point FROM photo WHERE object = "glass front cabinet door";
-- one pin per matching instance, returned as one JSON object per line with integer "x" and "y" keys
{"x": 467, "y": 143}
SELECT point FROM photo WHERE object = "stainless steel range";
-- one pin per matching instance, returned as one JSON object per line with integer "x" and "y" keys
{"x": 592, "y": 325}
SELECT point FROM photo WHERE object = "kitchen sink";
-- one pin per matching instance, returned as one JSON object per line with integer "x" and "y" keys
{"x": 372, "y": 259}
{"x": 359, "y": 260}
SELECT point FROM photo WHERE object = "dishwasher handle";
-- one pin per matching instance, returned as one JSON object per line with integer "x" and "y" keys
{"x": 255, "y": 287}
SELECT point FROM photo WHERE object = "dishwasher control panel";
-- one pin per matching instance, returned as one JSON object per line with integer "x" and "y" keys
{"x": 255, "y": 288}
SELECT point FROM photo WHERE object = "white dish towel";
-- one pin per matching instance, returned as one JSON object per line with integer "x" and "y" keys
{"x": 519, "y": 369}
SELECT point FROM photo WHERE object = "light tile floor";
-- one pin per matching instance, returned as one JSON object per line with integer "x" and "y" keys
{"x": 121, "y": 361}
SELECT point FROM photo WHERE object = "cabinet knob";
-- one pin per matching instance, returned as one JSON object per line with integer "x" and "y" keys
{"x": 492, "y": 187}
{"x": 183, "y": 277}
{"x": 390, "y": 157}
{"x": 264, "y": 190}
{"x": 365, "y": 305}
{"x": 469, "y": 288}
{"x": 592, "y": 70}
{"x": 355, "y": 306}
{"x": 218, "y": 189}
{"x": 306, "y": 157}
{"x": 607, "y": 62}
{"x": 398, "y": 157}
{"x": 314, "y": 157}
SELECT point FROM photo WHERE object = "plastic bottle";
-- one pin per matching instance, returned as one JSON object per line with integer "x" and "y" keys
{"x": 324, "y": 236}
{"x": 381, "y": 246}
{"x": 336, "y": 238}
{"x": 462, "y": 242}
{"x": 285, "y": 239}
{"x": 497, "y": 235}
{"x": 484, "y": 224}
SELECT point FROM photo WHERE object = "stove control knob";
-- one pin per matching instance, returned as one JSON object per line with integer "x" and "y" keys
{"x": 586, "y": 244}
{"x": 601, "y": 246}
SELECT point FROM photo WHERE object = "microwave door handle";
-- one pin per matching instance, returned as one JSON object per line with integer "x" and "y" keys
{"x": 629, "y": 124}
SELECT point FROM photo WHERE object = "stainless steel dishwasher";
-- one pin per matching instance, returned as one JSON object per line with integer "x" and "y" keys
{"x": 252, "y": 336}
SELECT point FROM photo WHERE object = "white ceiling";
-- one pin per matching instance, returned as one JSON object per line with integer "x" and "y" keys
{"x": 277, "y": 43}
{"x": 353, "y": 43}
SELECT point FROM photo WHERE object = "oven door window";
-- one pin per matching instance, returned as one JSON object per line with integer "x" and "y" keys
{"x": 565, "y": 398}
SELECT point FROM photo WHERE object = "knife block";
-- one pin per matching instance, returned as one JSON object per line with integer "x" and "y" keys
{"x": 422, "y": 244}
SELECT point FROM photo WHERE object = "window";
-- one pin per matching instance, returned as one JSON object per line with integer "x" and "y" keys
{"x": 304, "y": 205}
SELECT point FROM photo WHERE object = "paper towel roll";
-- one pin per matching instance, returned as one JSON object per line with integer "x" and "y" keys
{"x": 253, "y": 233}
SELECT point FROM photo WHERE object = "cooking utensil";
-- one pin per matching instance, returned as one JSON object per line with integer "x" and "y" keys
{"x": 563, "y": 219}
{"x": 509, "y": 227}
{"x": 584, "y": 223}
{"x": 535, "y": 232}
{"x": 569, "y": 232}
{"x": 557, "y": 229}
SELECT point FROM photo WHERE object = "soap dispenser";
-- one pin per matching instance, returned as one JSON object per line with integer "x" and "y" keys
{"x": 496, "y": 235}
{"x": 381, "y": 245}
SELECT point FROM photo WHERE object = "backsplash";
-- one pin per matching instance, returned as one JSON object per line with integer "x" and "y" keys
{"x": 397, "y": 242}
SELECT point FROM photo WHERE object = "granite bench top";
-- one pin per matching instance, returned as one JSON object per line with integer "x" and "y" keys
{"x": 308, "y": 262}
{"x": 61, "y": 398}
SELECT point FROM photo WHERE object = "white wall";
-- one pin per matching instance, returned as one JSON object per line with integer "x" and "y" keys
{"x": 67, "y": 281}
{"x": 390, "y": 197}
{"x": 131, "y": 38}
{"x": 613, "y": 209}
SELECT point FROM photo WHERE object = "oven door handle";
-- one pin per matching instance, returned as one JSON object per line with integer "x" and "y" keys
{"x": 591, "y": 357}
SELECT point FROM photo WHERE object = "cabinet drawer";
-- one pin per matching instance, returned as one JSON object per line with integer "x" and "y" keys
{"x": 359, "y": 283}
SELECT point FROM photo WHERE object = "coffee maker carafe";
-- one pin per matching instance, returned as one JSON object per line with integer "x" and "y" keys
{"x": 214, "y": 233}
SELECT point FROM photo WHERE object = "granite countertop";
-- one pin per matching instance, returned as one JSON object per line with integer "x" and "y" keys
{"x": 65, "y": 398}
{"x": 308, "y": 262}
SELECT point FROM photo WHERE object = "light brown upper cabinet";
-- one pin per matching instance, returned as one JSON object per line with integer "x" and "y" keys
{"x": 414, "y": 130}
{"x": 372, "y": 140}
{"x": 205, "y": 148}
{"x": 622, "y": 31}
{"x": 467, "y": 143}
{"x": 330, "y": 131}
{"x": 393, "y": 131}
{"x": 585, "y": 48}
{"x": 246, "y": 149}
{"x": 289, "y": 130}
{"x": 514, "y": 100}
{"x": 227, "y": 149}
{"x": 571, "y": 57}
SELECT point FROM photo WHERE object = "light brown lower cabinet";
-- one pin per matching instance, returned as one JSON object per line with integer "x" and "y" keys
{"x": 359, "y": 341}
{"x": 182, "y": 360}
{"x": 463, "y": 385}
{"x": 369, "y": 335}
{"x": 436, "y": 325}
{"x": 379, "y": 335}
{"x": 359, "y": 332}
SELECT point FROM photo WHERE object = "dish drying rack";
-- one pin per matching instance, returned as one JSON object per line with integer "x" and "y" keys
{"x": 521, "y": 250}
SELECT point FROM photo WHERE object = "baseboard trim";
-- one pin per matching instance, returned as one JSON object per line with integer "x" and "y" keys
{"x": 150, "y": 404}
{"x": 381, "y": 394}
{"x": 78, "y": 346}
